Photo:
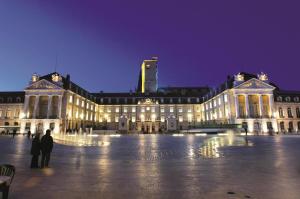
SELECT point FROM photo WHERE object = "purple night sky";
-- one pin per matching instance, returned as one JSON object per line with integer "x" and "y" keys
{"x": 102, "y": 43}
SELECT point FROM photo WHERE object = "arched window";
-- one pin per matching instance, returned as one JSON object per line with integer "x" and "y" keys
{"x": 288, "y": 99}
{"x": 289, "y": 110}
{"x": 298, "y": 112}
{"x": 280, "y": 112}
{"x": 18, "y": 99}
{"x": 296, "y": 99}
{"x": 1, "y": 100}
{"x": 9, "y": 100}
{"x": 279, "y": 99}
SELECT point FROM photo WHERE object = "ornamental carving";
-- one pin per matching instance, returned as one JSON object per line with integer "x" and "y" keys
{"x": 43, "y": 84}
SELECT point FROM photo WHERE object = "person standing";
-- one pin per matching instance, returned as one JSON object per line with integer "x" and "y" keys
{"x": 46, "y": 147}
{"x": 35, "y": 151}
{"x": 28, "y": 134}
{"x": 14, "y": 133}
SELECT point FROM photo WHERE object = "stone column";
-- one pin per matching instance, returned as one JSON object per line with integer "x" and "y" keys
{"x": 49, "y": 112}
{"x": 59, "y": 106}
{"x": 26, "y": 105}
{"x": 271, "y": 104}
{"x": 247, "y": 105}
{"x": 236, "y": 101}
{"x": 36, "y": 103}
{"x": 260, "y": 105}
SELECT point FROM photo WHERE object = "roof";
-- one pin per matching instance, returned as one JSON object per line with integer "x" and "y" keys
{"x": 12, "y": 97}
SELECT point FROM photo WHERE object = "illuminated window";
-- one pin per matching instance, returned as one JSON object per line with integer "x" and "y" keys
{"x": 171, "y": 109}
{"x": 77, "y": 102}
{"x": 125, "y": 109}
{"x": 210, "y": 104}
{"x": 116, "y": 119}
{"x": 219, "y": 101}
{"x": 225, "y": 98}
{"x": 108, "y": 119}
{"x": 148, "y": 108}
{"x": 162, "y": 110}
{"x": 87, "y": 105}
{"x": 153, "y": 109}
{"x": 108, "y": 110}
{"x": 153, "y": 117}
{"x": 82, "y": 103}
{"x": 190, "y": 117}
{"x": 162, "y": 118}
{"x": 142, "y": 109}
{"x": 180, "y": 118}
{"x": 215, "y": 103}
{"x": 117, "y": 110}
{"x": 100, "y": 119}
{"x": 180, "y": 110}
{"x": 189, "y": 110}
{"x": 142, "y": 118}
{"x": 133, "y": 118}
{"x": 133, "y": 109}
{"x": 71, "y": 99}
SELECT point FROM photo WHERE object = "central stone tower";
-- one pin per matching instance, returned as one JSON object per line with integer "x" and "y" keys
{"x": 148, "y": 76}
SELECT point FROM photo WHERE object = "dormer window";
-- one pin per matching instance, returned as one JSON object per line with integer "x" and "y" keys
{"x": 296, "y": 99}
{"x": 287, "y": 99}
{"x": 9, "y": 100}
{"x": 279, "y": 99}
{"x": 18, "y": 99}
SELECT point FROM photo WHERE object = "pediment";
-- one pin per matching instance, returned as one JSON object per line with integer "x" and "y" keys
{"x": 43, "y": 85}
{"x": 254, "y": 84}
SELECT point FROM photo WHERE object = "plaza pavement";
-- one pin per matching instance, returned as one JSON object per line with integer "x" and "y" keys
{"x": 159, "y": 166}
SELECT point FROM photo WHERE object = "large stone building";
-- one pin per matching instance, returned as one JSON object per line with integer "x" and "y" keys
{"x": 54, "y": 101}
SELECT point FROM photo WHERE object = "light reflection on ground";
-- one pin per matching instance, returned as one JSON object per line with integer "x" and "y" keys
{"x": 206, "y": 147}
{"x": 211, "y": 147}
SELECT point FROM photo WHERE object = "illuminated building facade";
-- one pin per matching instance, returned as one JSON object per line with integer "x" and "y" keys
{"x": 54, "y": 101}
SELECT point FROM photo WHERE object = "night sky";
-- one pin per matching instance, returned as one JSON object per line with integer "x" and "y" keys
{"x": 101, "y": 44}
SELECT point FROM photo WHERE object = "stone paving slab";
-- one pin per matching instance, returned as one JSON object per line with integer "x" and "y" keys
{"x": 159, "y": 167}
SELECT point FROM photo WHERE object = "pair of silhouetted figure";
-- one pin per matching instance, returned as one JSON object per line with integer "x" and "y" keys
{"x": 45, "y": 146}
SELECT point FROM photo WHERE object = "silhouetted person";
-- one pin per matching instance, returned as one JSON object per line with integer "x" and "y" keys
{"x": 246, "y": 130}
{"x": 35, "y": 151}
{"x": 46, "y": 146}
{"x": 14, "y": 133}
{"x": 29, "y": 134}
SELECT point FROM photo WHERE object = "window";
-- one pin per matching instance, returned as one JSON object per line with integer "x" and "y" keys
{"x": 161, "y": 100}
{"x": 162, "y": 110}
{"x": 116, "y": 119}
{"x": 180, "y": 118}
{"x": 225, "y": 98}
{"x": 171, "y": 100}
{"x": 215, "y": 103}
{"x": 9, "y": 100}
{"x": 18, "y": 100}
{"x": 117, "y": 110}
{"x": 282, "y": 126}
{"x": 189, "y": 100}
{"x": 219, "y": 101}
{"x": 162, "y": 118}
{"x": 288, "y": 99}
{"x": 125, "y": 109}
{"x": 108, "y": 110}
{"x": 82, "y": 103}
{"x": 296, "y": 99}
{"x": 143, "y": 109}
{"x": 289, "y": 110}
{"x": 291, "y": 127}
{"x": 1, "y": 100}
{"x": 171, "y": 109}
{"x": 280, "y": 112}
{"x": 71, "y": 99}
{"x": 279, "y": 99}
{"x": 133, "y": 109}
{"x": 133, "y": 119}
{"x": 77, "y": 102}
{"x": 298, "y": 112}
{"x": 180, "y": 110}
{"x": 153, "y": 109}
{"x": 148, "y": 108}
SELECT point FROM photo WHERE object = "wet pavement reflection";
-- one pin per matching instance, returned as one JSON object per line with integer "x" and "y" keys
{"x": 158, "y": 166}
